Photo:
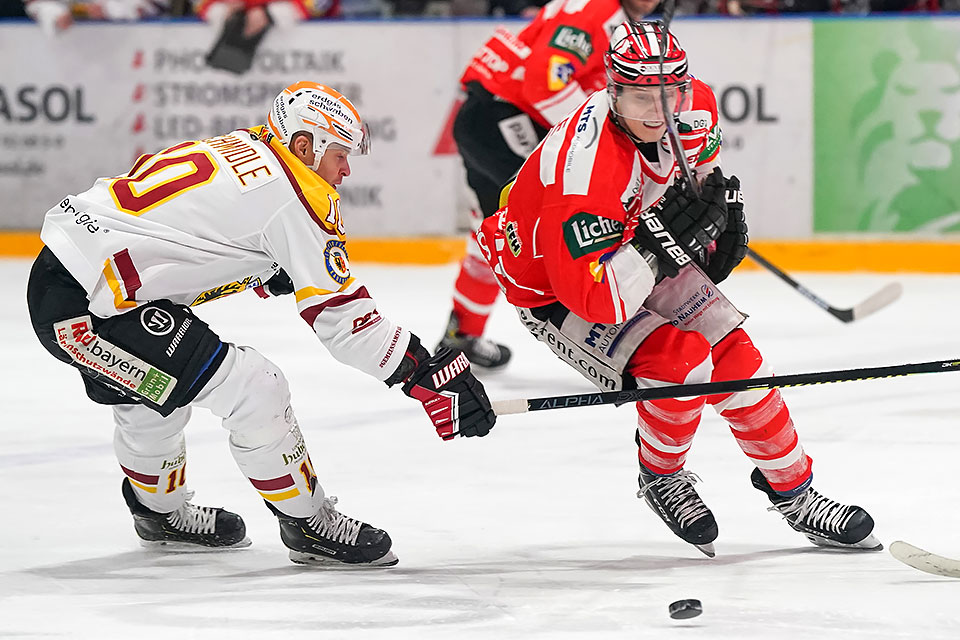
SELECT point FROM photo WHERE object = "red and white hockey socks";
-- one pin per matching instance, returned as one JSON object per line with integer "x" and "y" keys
{"x": 759, "y": 419}
{"x": 475, "y": 291}
{"x": 665, "y": 428}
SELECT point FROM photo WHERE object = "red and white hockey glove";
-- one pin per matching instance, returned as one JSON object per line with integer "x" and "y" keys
{"x": 453, "y": 398}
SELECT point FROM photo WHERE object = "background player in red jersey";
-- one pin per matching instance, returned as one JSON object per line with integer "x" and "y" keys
{"x": 516, "y": 88}
{"x": 613, "y": 264}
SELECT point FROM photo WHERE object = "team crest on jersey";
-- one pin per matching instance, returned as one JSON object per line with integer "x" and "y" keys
{"x": 225, "y": 290}
{"x": 335, "y": 254}
{"x": 714, "y": 140}
{"x": 573, "y": 40}
{"x": 513, "y": 238}
{"x": 586, "y": 233}
{"x": 560, "y": 73}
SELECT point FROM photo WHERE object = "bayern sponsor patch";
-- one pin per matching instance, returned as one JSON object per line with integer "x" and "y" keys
{"x": 338, "y": 266}
{"x": 75, "y": 336}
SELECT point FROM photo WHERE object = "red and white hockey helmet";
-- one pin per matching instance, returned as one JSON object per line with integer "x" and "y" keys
{"x": 324, "y": 113}
{"x": 634, "y": 61}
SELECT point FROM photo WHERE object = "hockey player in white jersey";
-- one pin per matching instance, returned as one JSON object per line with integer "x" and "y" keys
{"x": 253, "y": 209}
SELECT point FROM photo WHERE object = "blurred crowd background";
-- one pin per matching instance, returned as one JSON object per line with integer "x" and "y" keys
{"x": 56, "y": 15}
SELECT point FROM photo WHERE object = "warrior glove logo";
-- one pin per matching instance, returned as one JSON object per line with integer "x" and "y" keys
{"x": 451, "y": 371}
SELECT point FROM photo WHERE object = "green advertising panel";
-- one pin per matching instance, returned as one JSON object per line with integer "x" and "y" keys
{"x": 887, "y": 125}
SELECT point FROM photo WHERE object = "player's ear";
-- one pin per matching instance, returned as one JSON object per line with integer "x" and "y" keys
{"x": 300, "y": 145}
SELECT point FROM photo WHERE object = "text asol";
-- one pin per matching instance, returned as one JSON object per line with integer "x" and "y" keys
{"x": 29, "y": 103}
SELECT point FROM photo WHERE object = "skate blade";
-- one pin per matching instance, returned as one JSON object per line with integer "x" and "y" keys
{"x": 870, "y": 543}
{"x": 176, "y": 546}
{"x": 298, "y": 557}
{"x": 707, "y": 549}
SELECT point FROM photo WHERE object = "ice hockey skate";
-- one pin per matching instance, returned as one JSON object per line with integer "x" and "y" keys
{"x": 330, "y": 539}
{"x": 674, "y": 499}
{"x": 824, "y": 522}
{"x": 482, "y": 353}
{"x": 189, "y": 528}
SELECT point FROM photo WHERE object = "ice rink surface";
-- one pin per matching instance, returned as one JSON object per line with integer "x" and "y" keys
{"x": 531, "y": 532}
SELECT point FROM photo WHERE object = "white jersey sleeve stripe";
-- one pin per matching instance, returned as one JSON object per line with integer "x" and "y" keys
{"x": 549, "y": 154}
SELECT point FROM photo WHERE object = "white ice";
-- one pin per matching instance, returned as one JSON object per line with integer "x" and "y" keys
{"x": 532, "y": 532}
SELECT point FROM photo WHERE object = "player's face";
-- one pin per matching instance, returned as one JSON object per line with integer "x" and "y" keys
{"x": 641, "y": 111}
{"x": 639, "y": 9}
{"x": 334, "y": 166}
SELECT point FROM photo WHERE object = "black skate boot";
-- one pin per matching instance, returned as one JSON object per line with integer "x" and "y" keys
{"x": 482, "y": 353}
{"x": 674, "y": 499}
{"x": 189, "y": 528}
{"x": 825, "y": 523}
{"x": 331, "y": 539}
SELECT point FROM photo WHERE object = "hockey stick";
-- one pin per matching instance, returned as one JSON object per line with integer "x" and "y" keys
{"x": 523, "y": 405}
{"x": 872, "y": 304}
{"x": 924, "y": 560}
{"x": 669, "y": 8}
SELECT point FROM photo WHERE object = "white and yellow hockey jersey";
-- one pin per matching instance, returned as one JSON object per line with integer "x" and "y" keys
{"x": 205, "y": 219}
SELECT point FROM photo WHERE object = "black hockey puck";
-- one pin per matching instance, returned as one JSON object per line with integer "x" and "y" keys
{"x": 683, "y": 609}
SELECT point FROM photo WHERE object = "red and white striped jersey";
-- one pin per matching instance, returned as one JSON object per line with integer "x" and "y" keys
{"x": 206, "y": 219}
{"x": 554, "y": 63}
{"x": 563, "y": 233}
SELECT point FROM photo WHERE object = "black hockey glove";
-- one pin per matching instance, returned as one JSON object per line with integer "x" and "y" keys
{"x": 696, "y": 220}
{"x": 656, "y": 241}
{"x": 279, "y": 284}
{"x": 732, "y": 243}
{"x": 453, "y": 398}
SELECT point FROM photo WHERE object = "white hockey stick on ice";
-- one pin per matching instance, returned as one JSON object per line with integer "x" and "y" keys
{"x": 924, "y": 560}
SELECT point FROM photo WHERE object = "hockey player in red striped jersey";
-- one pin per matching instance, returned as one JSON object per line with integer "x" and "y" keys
{"x": 612, "y": 261}
{"x": 255, "y": 209}
{"x": 517, "y": 87}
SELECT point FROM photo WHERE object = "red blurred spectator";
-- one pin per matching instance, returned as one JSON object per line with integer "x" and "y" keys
{"x": 54, "y": 16}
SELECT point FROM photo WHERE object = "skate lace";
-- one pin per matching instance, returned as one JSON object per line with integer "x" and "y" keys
{"x": 192, "y": 518}
{"x": 678, "y": 496}
{"x": 816, "y": 511}
{"x": 333, "y": 525}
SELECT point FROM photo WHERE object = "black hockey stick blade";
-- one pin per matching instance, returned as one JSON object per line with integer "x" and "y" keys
{"x": 924, "y": 560}
{"x": 524, "y": 405}
{"x": 872, "y": 304}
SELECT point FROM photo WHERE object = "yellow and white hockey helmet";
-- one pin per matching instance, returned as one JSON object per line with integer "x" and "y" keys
{"x": 324, "y": 113}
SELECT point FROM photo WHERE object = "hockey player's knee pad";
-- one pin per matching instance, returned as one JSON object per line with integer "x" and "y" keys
{"x": 736, "y": 357}
{"x": 671, "y": 355}
{"x": 253, "y": 398}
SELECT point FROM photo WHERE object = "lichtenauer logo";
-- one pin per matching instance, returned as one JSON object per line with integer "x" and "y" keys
{"x": 586, "y": 233}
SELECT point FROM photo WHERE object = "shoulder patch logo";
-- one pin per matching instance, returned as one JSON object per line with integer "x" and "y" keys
{"x": 560, "y": 72}
{"x": 338, "y": 266}
{"x": 714, "y": 140}
{"x": 586, "y": 233}
{"x": 573, "y": 40}
{"x": 513, "y": 238}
